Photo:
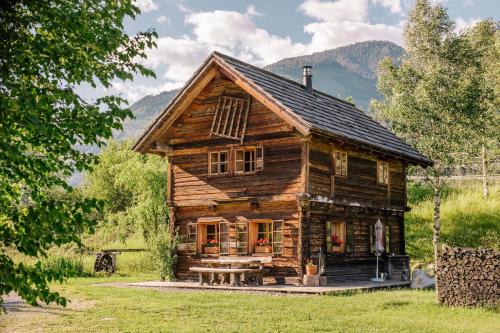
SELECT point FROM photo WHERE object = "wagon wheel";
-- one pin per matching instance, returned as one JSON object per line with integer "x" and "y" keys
{"x": 106, "y": 264}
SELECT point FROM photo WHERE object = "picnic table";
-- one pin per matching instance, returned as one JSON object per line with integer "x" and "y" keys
{"x": 234, "y": 271}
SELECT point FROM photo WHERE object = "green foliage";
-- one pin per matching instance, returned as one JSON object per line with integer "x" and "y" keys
{"x": 485, "y": 40}
{"x": 468, "y": 219}
{"x": 71, "y": 266}
{"x": 419, "y": 191}
{"x": 436, "y": 95}
{"x": 132, "y": 186}
{"x": 46, "y": 50}
{"x": 162, "y": 252}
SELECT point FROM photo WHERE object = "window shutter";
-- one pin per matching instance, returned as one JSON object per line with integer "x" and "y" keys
{"x": 242, "y": 237}
{"x": 259, "y": 159}
{"x": 278, "y": 236}
{"x": 223, "y": 238}
{"x": 239, "y": 159}
{"x": 192, "y": 238}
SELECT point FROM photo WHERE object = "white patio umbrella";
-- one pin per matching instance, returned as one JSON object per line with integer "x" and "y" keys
{"x": 379, "y": 246}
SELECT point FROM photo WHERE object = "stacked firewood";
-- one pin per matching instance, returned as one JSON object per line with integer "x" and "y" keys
{"x": 468, "y": 277}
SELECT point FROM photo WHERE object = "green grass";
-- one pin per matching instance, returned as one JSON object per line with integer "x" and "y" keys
{"x": 467, "y": 219}
{"x": 115, "y": 309}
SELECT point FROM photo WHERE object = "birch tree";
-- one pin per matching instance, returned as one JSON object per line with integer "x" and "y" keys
{"x": 484, "y": 38}
{"x": 433, "y": 98}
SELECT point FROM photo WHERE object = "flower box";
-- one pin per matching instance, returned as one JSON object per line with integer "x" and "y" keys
{"x": 263, "y": 249}
{"x": 211, "y": 250}
{"x": 336, "y": 249}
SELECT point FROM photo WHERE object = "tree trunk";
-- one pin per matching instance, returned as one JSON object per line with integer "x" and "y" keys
{"x": 437, "y": 220}
{"x": 486, "y": 186}
{"x": 436, "y": 235}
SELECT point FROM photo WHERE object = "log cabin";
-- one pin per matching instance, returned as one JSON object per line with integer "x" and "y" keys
{"x": 260, "y": 165}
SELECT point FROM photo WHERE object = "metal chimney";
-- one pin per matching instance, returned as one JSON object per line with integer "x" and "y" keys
{"x": 307, "y": 79}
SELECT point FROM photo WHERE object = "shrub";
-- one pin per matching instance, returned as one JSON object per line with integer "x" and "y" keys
{"x": 73, "y": 267}
{"x": 162, "y": 252}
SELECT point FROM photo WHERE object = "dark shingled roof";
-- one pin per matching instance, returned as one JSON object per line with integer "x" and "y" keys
{"x": 326, "y": 113}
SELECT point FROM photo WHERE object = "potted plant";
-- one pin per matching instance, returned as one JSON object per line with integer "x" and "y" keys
{"x": 211, "y": 247}
{"x": 336, "y": 244}
{"x": 263, "y": 246}
{"x": 311, "y": 267}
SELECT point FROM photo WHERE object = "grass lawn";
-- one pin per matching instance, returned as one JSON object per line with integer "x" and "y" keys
{"x": 115, "y": 309}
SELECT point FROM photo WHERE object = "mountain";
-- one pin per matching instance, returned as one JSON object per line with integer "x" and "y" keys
{"x": 144, "y": 111}
{"x": 342, "y": 72}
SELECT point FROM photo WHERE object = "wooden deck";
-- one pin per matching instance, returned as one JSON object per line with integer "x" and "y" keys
{"x": 270, "y": 288}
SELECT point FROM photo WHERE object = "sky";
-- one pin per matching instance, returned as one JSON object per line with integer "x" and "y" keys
{"x": 264, "y": 31}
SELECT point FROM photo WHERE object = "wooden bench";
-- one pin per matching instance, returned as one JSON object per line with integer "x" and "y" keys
{"x": 232, "y": 276}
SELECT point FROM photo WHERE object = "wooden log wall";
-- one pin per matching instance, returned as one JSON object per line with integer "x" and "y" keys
{"x": 283, "y": 265}
{"x": 468, "y": 277}
{"x": 358, "y": 221}
{"x": 267, "y": 194}
{"x": 361, "y": 184}
{"x": 191, "y": 182}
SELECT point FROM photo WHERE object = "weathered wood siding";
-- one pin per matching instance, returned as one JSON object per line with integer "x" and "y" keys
{"x": 357, "y": 263}
{"x": 267, "y": 194}
{"x": 282, "y": 151}
{"x": 284, "y": 265}
{"x": 361, "y": 184}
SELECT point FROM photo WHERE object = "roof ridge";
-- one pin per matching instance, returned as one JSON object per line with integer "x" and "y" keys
{"x": 282, "y": 77}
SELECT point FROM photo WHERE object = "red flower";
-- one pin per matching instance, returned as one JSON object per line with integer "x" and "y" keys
{"x": 263, "y": 242}
{"x": 336, "y": 241}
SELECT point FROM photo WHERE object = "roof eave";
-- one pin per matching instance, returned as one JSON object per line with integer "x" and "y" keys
{"x": 140, "y": 144}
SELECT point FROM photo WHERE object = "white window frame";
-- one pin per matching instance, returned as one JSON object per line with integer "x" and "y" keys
{"x": 218, "y": 163}
{"x": 257, "y": 161}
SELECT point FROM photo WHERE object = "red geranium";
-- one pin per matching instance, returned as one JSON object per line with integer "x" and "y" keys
{"x": 211, "y": 243}
{"x": 336, "y": 241}
{"x": 263, "y": 242}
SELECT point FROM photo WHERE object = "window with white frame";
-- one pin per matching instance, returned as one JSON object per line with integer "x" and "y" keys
{"x": 248, "y": 160}
{"x": 218, "y": 163}
{"x": 266, "y": 234}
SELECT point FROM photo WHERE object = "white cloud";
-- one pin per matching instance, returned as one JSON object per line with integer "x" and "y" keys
{"x": 146, "y": 5}
{"x": 346, "y": 22}
{"x": 329, "y": 11}
{"x": 133, "y": 92}
{"x": 181, "y": 56}
{"x": 462, "y": 23}
{"x": 335, "y": 34}
{"x": 237, "y": 32}
{"x": 183, "y": 8}
{"x": 393, "y": 5}
{"x": 163, "y": 19}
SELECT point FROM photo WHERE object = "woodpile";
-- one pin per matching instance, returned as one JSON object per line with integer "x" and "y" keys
{"x": 468, "y": 277}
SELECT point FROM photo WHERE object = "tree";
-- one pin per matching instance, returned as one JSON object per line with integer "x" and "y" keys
{"x": 47, "y": 49}
{"x": 132, "y": 186}
{"x": 434, "y": 97}
{"x": 485, "y": 40}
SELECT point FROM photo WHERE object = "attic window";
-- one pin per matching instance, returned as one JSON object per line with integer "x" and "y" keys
{"x": 230, "y": 118}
